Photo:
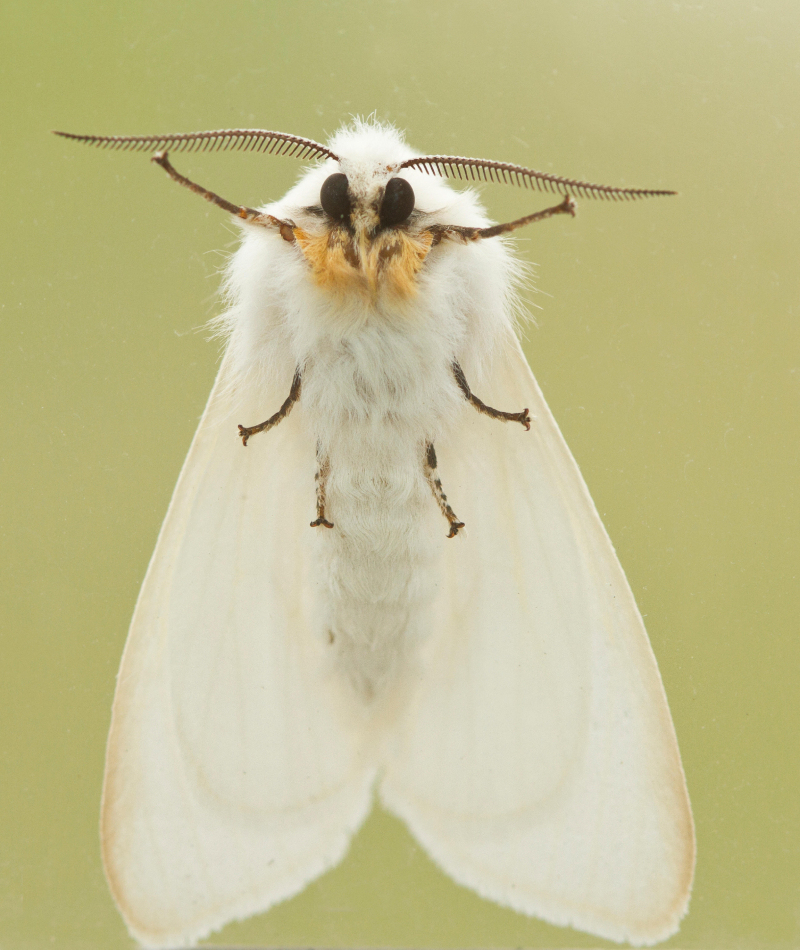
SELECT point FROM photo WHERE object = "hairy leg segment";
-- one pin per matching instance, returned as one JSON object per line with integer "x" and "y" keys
{"x": 280, "y": 415}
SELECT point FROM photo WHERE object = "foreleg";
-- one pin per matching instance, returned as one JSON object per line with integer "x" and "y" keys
{"x": 286, "y": 228}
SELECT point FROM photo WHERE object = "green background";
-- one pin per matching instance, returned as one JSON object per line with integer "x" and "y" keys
{"x": 666, "y": 344}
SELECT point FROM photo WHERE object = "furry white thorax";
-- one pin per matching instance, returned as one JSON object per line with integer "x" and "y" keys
{"x": 377, "y": 387}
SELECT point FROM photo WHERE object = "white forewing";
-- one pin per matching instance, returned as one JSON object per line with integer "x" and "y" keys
{"x": 233, "y": 776}
{"x": 538, "y": 763}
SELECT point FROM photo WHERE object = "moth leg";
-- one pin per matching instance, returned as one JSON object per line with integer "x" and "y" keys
{"x": 321, "y": 478}
{"x": 286, "y": 228}
{"x": 455, "y": 232}
{"x": 436, "y": 487}
{"x": 463, "y": 385}
{"x": 282, "y": 413}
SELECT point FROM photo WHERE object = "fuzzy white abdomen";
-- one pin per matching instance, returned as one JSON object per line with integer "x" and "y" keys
{"x": 375, "y": 400}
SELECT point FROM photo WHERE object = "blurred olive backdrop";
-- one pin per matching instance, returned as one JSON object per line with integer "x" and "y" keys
{"x": 666, "y": 343}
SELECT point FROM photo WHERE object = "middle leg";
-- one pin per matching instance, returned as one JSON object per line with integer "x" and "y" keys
{"x": 522, "y": 417}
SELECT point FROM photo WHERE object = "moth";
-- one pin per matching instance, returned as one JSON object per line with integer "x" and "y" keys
{"x": 453, "y": 633}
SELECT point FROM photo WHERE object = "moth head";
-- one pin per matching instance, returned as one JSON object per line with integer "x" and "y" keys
{"x": 384, "y": 207}
{"x": 365, "y": 237}
{"x": 361, "y": 221}
{"x": 366, "y": 188}
{"x": 359, "y": 224}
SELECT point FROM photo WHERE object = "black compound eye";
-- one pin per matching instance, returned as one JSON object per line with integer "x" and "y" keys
{"x": 398, "y": 202}
{"x": 334, "y": 198}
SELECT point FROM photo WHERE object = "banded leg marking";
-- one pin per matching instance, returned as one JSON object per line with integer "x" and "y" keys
{"x": 321, "y": 478}
{"x": 438, "y": 493}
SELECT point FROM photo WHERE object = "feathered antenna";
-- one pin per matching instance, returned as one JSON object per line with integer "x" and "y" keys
{"x": 281, "y": 143}
{"x": 247, "y": 140}
{"x": 481, "y": 169}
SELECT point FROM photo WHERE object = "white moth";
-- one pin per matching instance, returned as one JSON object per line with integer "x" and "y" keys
{"x": 497, "y": 692}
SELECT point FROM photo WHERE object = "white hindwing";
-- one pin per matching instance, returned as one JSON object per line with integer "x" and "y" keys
{"x": 231, "y": 778}
{"x": 537, "y": 762}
